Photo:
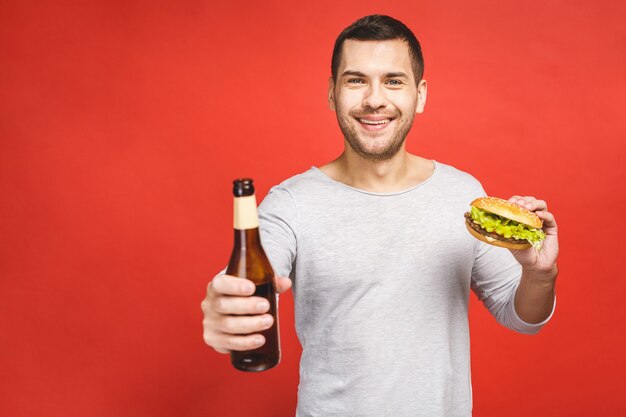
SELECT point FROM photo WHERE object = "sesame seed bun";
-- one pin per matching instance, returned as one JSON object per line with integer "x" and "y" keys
{"x": 509, "y": 210}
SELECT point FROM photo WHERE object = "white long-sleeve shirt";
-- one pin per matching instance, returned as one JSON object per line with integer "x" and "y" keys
{"x": 381, "y": 287}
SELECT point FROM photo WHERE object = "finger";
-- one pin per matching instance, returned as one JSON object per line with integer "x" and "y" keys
{"x": 242, "y": 325}
{"x": 213, "y": 340}
{"x": 224, "y": 343}
{"x": 241, "y": 343}
{"x": 229, "y": 285}
{"x": 529, "y": 202}
{"x": 535, "y": 205}
{"x": 549, "y": 222}
{"x": 240, "y": 305}
{"x": 521, "y": 199}
{"x": 282, "y": 284}
{"x": 517, "y": 199}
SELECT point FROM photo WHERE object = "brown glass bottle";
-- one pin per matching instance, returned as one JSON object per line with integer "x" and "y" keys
{"x": 248, "y": 260}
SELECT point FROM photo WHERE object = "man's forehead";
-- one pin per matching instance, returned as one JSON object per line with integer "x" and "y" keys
{"x": 387, "y": 53}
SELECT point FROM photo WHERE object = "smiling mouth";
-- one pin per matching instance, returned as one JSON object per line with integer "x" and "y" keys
{"x": 374, "y": 122}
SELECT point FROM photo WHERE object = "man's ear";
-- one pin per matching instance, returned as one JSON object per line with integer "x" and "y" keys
{"x": 331, "y": 93}
{"x": 422, "y": 92}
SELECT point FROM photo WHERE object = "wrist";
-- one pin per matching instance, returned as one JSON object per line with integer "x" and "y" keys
{"x": 545, "y": 276}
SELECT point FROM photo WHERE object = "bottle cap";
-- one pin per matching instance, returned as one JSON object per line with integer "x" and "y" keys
{"x": 243, "y": 187}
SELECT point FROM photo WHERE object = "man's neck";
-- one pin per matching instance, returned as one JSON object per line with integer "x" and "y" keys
{"x": 401, "y": 172}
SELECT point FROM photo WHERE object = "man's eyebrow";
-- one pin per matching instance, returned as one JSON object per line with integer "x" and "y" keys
{"x": 352, "y": 73}
{"x": 398, "y": 74}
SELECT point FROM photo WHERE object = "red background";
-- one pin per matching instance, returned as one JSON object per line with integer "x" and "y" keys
{"x": 123, "y": 123}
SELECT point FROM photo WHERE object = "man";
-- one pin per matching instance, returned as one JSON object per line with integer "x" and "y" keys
{"x": 382, "y": 264}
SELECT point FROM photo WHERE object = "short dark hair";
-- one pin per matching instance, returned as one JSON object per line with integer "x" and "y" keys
{"x": 379, "y": 28}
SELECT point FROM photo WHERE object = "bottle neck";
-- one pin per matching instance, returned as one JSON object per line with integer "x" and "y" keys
{"x": 245, "y": 213}
{"x": 247, "y": 238}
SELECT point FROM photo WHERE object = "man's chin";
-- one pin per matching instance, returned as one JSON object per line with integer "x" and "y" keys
{"x": 376, "y": 154}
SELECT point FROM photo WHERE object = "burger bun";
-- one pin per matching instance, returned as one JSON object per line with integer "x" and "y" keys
{"x": 508, "y": 210}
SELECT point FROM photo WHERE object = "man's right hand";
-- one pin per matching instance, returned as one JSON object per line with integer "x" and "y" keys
{"x": 232, "y": 317}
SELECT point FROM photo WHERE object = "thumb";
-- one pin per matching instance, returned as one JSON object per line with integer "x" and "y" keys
{"x": 282, "y": 284}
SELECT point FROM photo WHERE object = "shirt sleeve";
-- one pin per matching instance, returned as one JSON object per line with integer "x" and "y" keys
{"x": 278, "y": 220}
{"x": 496, "y": 275}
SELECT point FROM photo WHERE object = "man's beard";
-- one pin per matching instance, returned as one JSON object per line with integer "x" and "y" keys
{"x": 385, "y": 153}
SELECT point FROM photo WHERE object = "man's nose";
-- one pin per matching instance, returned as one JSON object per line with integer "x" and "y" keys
{"x": 375, "y": 97}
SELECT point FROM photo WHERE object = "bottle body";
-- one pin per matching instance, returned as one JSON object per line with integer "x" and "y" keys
{"x": 248, "y": 260}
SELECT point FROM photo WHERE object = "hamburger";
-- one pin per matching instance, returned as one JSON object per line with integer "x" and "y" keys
{"x": 500, "y": 223}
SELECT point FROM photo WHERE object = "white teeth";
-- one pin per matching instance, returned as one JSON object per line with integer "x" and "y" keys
{"x": 374, "y": 122}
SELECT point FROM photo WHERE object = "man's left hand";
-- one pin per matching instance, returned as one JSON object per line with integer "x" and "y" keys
{"x": 542, "y": 261}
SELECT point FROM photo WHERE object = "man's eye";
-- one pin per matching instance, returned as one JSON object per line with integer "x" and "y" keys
{"x": 355, "y": 81}
{"x": 394, "y": 82}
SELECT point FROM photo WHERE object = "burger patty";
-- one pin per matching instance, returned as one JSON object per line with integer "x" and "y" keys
{"x": 494, "y": 235}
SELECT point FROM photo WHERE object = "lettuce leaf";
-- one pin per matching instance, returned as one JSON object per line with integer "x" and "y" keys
{"x": 506, "y": 227}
